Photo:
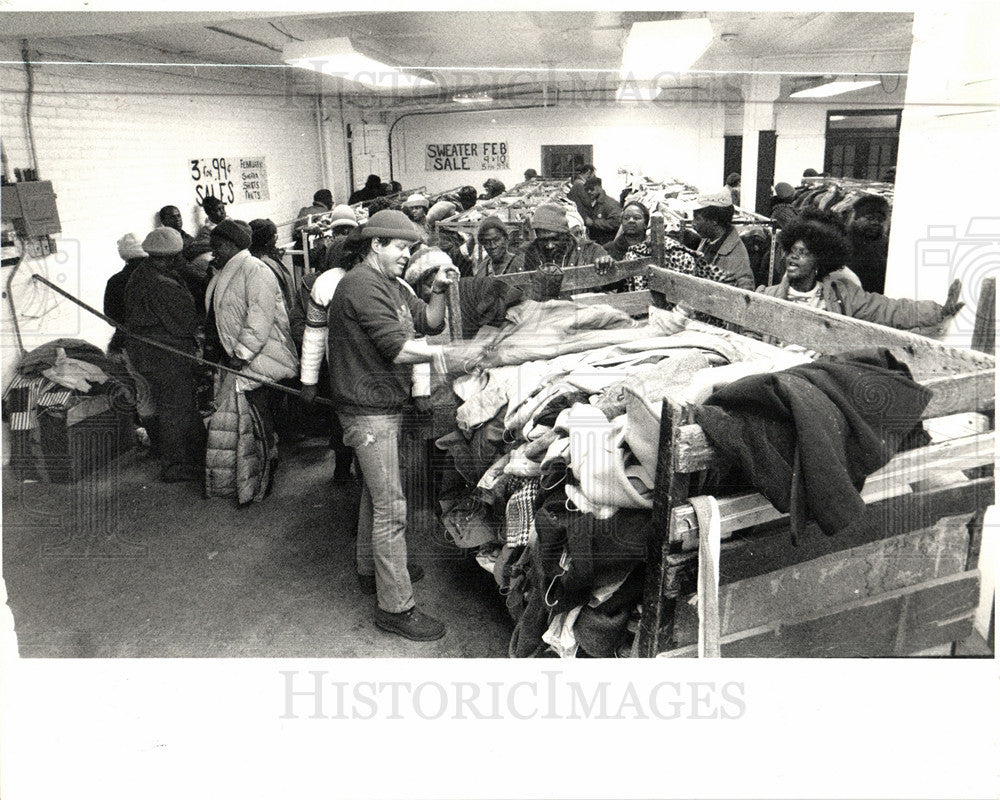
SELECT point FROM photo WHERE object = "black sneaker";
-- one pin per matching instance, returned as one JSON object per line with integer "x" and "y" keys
{"x": 367, "y": 582}
{"x": 412, "y": 624}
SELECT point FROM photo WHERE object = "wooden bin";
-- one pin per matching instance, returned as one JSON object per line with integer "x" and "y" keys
{"x": 902, "y": 582}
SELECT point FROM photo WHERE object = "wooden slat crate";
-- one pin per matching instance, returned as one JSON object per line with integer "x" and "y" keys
{"x": 930, "y": 499}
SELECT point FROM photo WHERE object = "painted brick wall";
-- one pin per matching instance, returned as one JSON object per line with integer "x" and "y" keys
{"x": 116, "y": 142}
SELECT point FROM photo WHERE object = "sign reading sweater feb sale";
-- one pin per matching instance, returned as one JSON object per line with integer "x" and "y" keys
{"x": 233, "y": 179}
{"x": 466, "y": 156}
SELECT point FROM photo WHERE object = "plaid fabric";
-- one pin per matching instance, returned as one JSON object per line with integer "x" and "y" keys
{"x": 21, "y": 400}
{"x": 25, "y": 395}
{"x": 521, "y": 513}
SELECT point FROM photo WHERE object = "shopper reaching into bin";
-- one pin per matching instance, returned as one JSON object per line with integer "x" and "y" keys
{"x": 553, "y": 250}
{"x": 814, "y": 251}
{"x": 373, "y": 324}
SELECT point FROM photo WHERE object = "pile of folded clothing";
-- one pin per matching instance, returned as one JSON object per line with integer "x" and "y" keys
{"x": 61, "y": 389}
{"x": 556, "y": 448}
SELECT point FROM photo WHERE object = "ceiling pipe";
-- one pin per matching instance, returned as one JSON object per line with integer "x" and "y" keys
{"x": 240, "y": 36}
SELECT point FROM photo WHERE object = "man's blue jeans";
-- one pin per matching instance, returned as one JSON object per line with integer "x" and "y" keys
{"x": 381, "y": 545}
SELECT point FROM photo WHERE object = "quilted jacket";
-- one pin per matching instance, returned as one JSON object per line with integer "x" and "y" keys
{"x": 236, "y": 464}
{"x": 251, "y": 318}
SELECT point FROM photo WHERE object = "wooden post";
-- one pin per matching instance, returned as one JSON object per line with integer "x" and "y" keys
{"x": 770, "y": 257}
{"x": 984, "y": 331}
{"x": 657, "y": 234}
{"x": 455, "y": 311}
{"x": 661, "y": 592}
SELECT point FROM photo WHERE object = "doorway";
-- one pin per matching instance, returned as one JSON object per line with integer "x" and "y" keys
{"x": 563, "y": 161}
{"x": 862, "y": 144}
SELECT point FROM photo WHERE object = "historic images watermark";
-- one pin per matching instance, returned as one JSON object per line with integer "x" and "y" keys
{"x": 320, "y": 694}
{"x": 375, "y": 90}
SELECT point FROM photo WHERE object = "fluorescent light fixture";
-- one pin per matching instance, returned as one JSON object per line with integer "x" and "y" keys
{"x": 338, "y": 58}
{"x": 473, "y": 97}
{"x": 833, "y": 87}
{"x": 669, "y": 46}
{"x": 630, "y": 91}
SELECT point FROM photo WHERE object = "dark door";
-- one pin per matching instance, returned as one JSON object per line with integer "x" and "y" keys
{"x": 767, "y": 142}
{"x": 563, "y": 160}
{"x": 732, "y": 156}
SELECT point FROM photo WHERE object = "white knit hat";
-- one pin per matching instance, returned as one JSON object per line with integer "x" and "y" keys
{"x": 416, "y": 200}
{"x": 129, "y": 247}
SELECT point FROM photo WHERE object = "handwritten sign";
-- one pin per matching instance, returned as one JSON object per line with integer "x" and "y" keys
{"x": 239, "y": 179}
{"x": 253, "y": 178}
{"x": 458, "y": 156}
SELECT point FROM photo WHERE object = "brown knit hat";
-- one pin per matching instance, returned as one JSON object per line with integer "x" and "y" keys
{"x": 235, "y": 231}
{"x": 550, "y": 217}
{"x": 389, "y": 224}
{"x": 492, "y": 224}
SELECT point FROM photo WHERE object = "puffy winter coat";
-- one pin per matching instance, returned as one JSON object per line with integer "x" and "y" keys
{"x": 251, "y": 318}
{"x": 236, "y": 464}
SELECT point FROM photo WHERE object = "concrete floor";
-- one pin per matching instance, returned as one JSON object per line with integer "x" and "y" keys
{"x": 122, "y": 565}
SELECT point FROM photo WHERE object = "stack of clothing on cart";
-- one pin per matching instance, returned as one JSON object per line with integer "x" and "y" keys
{"x": 59, "y": 385}
{"x": 556, "y": 445}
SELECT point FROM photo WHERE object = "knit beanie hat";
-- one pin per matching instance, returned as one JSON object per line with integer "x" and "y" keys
{"x": 163, "y": 242}
{"x": 426, "y": 260}
{"x": 261, "y": 232}
{"x": 389, "y": 224}
{"x": 416, "y": 200}
{"x": 343, "y": 217}
{"x": 129, "y": 247}
{"x": 492, "y": 224}
{"x": 324, "y": 196}
{"x": 235, "y": 231}
{"x": 550, "y": 217}
{"x": 441, "y": 210}
{"x": 783, "y": 191}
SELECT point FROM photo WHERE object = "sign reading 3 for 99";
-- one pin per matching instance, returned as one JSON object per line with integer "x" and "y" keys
{"x": 213, "y": 177}
{"x": 240, "y": 179}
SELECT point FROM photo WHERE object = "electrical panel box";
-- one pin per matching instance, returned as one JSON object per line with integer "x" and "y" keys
{"x": 31, "y": 206}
